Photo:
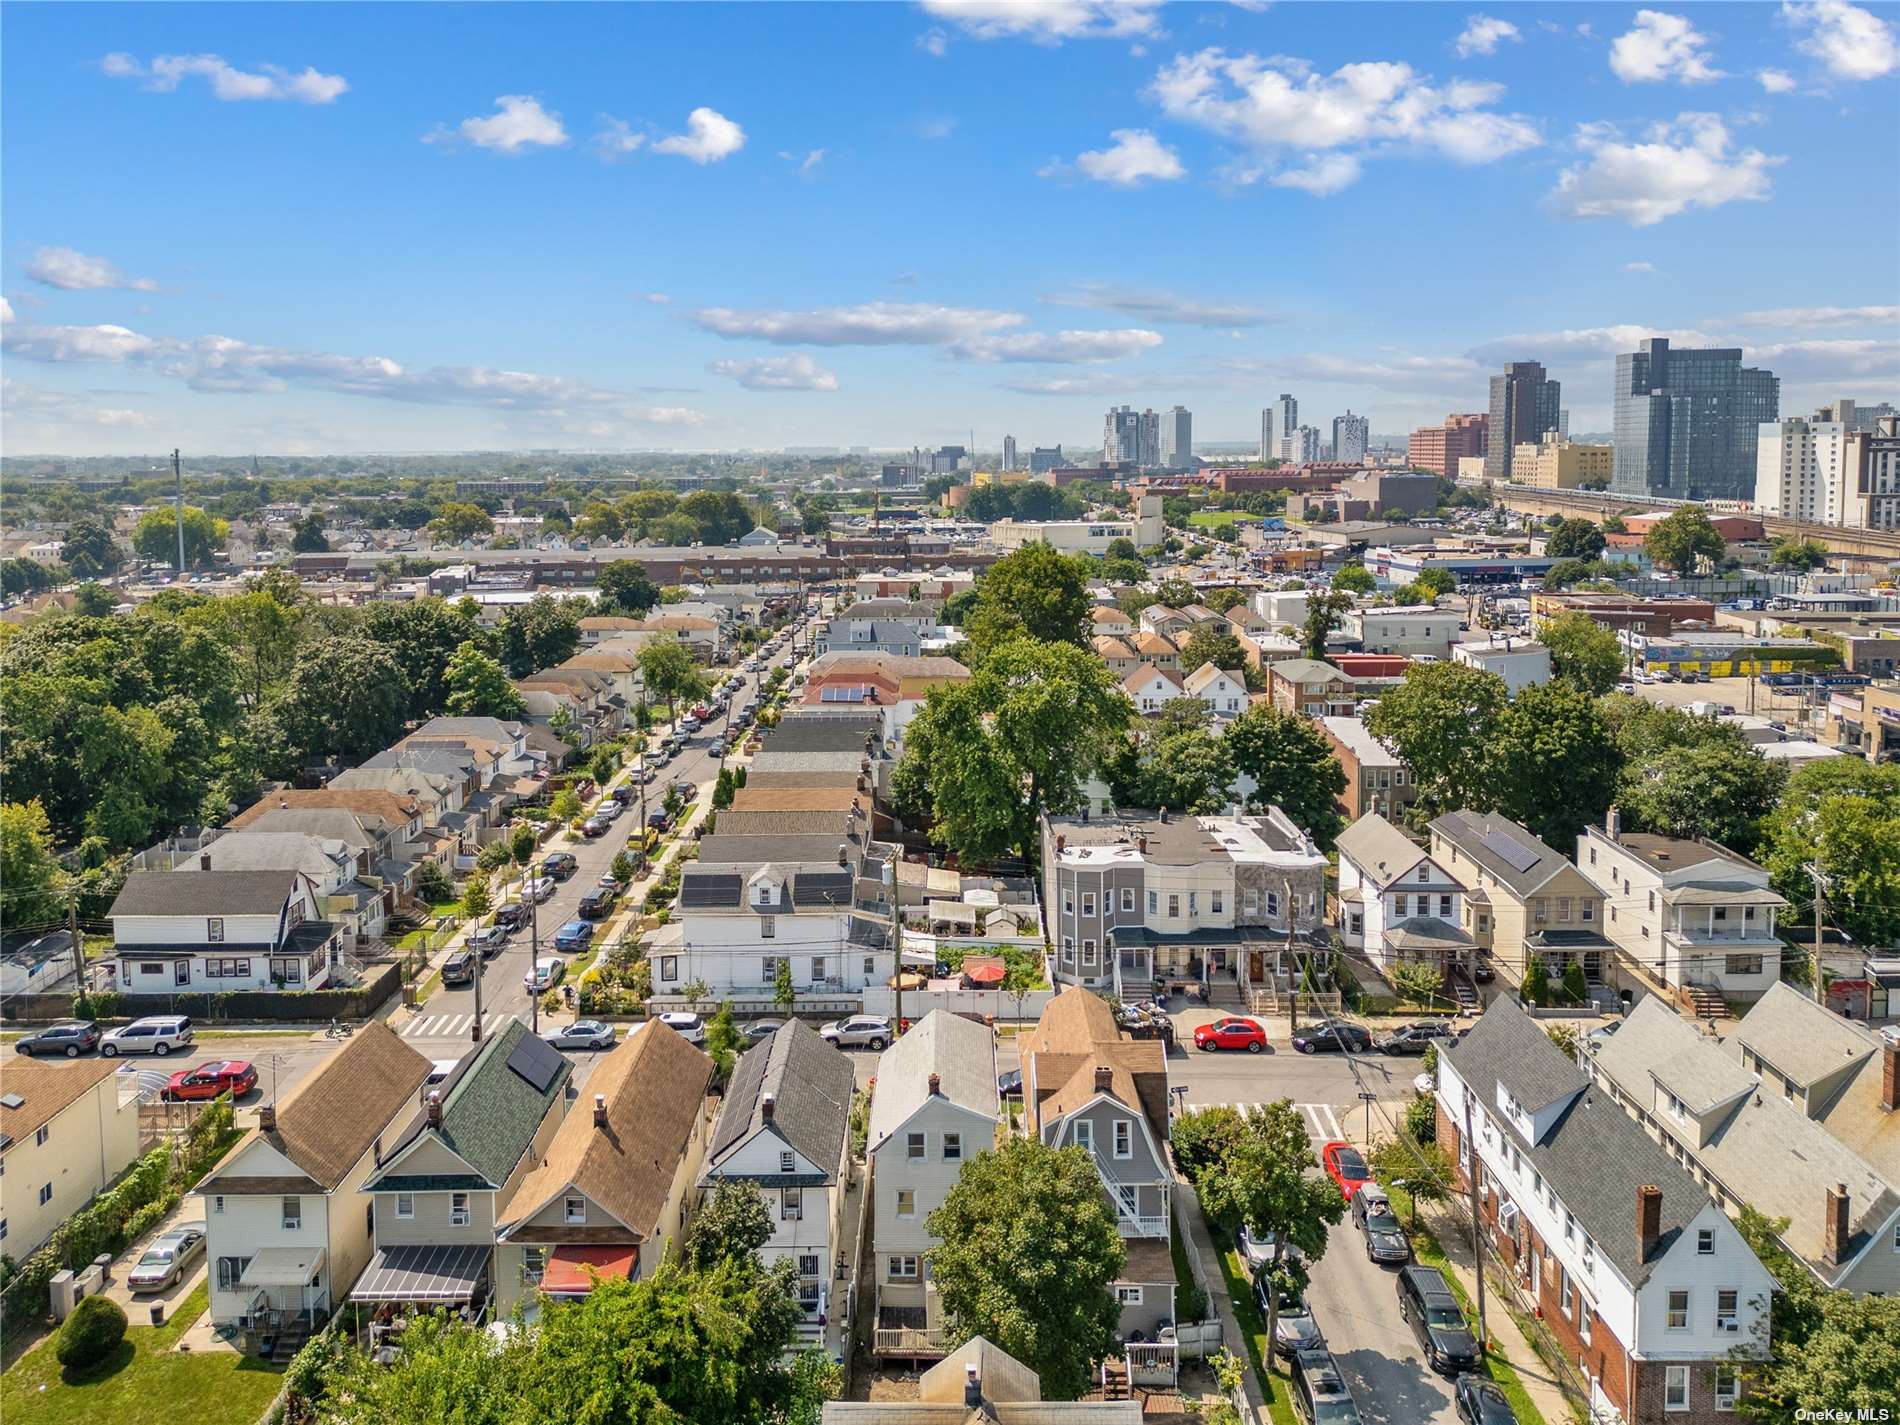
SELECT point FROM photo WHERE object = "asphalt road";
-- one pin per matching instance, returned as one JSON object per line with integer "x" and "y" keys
{"x": 1355, "y": 1301}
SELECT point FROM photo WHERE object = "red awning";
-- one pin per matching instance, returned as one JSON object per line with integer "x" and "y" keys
{"x": 572, "y": 1270}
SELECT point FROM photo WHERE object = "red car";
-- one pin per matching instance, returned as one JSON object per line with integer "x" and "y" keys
{"x": 1345, "y": 1167}
{"x": 236, "y": 1077}
{"x": 1231, "y": 1033}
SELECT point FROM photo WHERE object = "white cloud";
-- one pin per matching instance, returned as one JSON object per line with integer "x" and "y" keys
{"x": 867, "y": 324}
{"x": 167, "y": 71}
{"x": 1482, "y": 34}
{"x": 518, "y": 123}
{"x": 1662, "y": 46}
{"x": 1681, "y": 165}
{"x": 1820, "y": 317}
{"x": 658, "y": 299}
{"x": 1280, "y": 104}
{"x": 6, "y": 310}
{"x": 709, "y": 137}
{"x": 805, "y": 163}
{"x": 1090, "y": 383}
{"x": 1049, "y": 21}
{"x": 778, "y": 373}
{"x": 937, "y": 126}
{"x": 1158, "y": 306}
{"x": 1392, "y": 371}
{"x": 616, "y": 138}
{"x": 934, "y": 43}
{"x": 1775, "y": 81}
{"x": 35, "y": 405}
{"x": 1825, "y": 362}
{"x": 1581, "y": 344}
{"x": 1639, "y": 267}
{"x": 72, "y": 271}
{"x": 1136, "y": 157}
{"x": 1325, "y": 175}
{"x": 1062, "y": 346}
{"x": 1850, "y": 42}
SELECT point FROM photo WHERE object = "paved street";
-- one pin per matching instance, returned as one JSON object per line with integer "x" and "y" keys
{"x": 1355, "y": 1301}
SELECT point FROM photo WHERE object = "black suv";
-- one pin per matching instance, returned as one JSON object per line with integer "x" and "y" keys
{"x": 596, "y": 905}
{"x": 560, "y": 865}
{"x": 1319, "y": 1391}
{"x": 514, "y": 915}
{"x": 459, "y": 968}
{"x": 1427, "y": 1304}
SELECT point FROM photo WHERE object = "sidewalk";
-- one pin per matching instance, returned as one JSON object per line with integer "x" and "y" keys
{"x": 1205, "y": 1257}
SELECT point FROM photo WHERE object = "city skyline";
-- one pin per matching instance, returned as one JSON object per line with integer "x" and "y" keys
{"x": 232, "y": 230}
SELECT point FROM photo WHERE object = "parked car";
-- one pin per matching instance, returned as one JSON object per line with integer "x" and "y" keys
{"x": 488, "y": 941}
{"x": 71, "y": 1037}
{"x": 609, "y": 884}
{"x": 166, "y": 1259}
{"x": 1319, "y": 1390}
{"x": 236, "y": 1077}
{"x": 1482, "y": 971}
{"x": 623, "y": 794}
{"x": 545, "y": 975}
{"x": 1372, "y": 1214}
{"x": 541, "y": 889}
{"x": 1429, "y": 1308}
{"x": 608, "y": 810}
{"x": 156, "y": 1034}
{"x": 1294, "y": 1328}
{"x": 659, "y": 819}
{"x": 1233, "y": 1032}
{"x": 1416, "y": 1038}
{"x": 514, "y": 915}
{"x": 593, "y": 827}
{"x": 686, "y": 1024}
{"x": 1345, "y": 1166}
{"x": 1332, "y": 1035}
{"x": 459, "y": 968}
{"x": 596, "y": 905}
{"x": 1479, "y": 1402}
{"x": 861, "y": 1031}
{"x": 762, "y": 1029}
{"x": 582, "y": 1034}
{"x": 1258, "y": 1251}
{"x": 575, "y": 935}
{"x": 1010, "y": 1085}
{"x": 560, "y": 865}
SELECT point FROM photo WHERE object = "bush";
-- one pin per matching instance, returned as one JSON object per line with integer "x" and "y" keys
{"x": 1575, "y": 986}
{"x": 433, "y": 883}
{"x": 1421, "y": 1119}
{"x": 91, "y": 1333}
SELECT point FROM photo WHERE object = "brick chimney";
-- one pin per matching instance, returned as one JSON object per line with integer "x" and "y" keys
{"x": 1889, "y": 1077}
{"x": 1613, "y": 822}
{"x": 767, "y": 1103}
{"x": 1062, "y": 842}
{"x": 267, "y": 1118}
{"x": 435, "y": 1108}
{"x": 1141, "y": 845}
{"x": 1104, "y": 1078}
{"x": 972, "y": 1387}
{"x": 600, "y": 1110}
{"x": 936, "y": 1084}
{"x": 1834, "y": 1232}
{"x": 204, "y": 860}
{"x": 1648, "y": 1220}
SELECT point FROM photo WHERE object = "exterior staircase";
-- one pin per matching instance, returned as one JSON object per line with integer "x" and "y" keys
{"x": 1115, "y": 1379}
{"x": 1462, "y": 990}
{"x": 1701, "y": 1002}
{"x": 289, "y": 1341}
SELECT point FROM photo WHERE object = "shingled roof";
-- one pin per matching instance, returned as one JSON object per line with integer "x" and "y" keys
{"x": 809, "y": 1083}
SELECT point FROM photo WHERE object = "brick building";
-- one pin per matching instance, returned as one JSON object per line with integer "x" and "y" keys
{"x": 1439, "y": 448}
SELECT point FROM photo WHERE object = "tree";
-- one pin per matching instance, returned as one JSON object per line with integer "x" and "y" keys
{"x": 1842, "y": 815}
{"x": 1323, "y": 614}
{"x": 33, "y": 884}
{"x": 307, "y": 536}
{"x": 1202, "y": 1138}
{"x": 1441, "y": 721}
{"x": 521, "y": 846}
{"x": 1552, "y": 764}
{"x": 626, "y": 589}
{"x": 566, "y": 805}
{"x": 1175, "y": 593}
{"x": 155, "y": 537}
{"x": 345, "y": 698}
{"x": 600, "y": 522}
{"x": 987, "y": 757}
{"x": 540, "y": 633}
{"x": 673, "y": 529}
{"x": 1029, "y": 1251}
{"x": 423, "y": 635}
{"x": 1212, "y": 643}
{"x": 1417, "y": 981}
{"x": 723, "y": 1042}
{"x": 1719, "y": 789}
{"x": 1583, "y": 652}
{"x": 1789, "y": 552}
{"x": 1679, "y": 541}
{"x": 89, "y": 549}
{"x": 94, "y": 600}
{"x": 1035, "y": 591}
{"x": 1417, "y": 1165}
{"x": 478, "y": 686}
{"x": 668, "y": 670}
{"x": 784, "y": 995}
{"x": 1222, "y": 600}
{"x": 1122, "y": 548}
{"x": 1293, "y": 767}
{"x": 456, "y": 521}
{"x": 26, "y": 576}
{"x": 475, "y": 899}
{"x": 1174, "y": 760}
{"x": 1354, "y": 579}
{"x": 1434, "y": 583}
{"x": 1575, "y": 539}
{"x": 91, "y": 1334}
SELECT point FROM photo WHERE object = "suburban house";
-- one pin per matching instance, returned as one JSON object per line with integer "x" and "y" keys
{"x": 896, "y": 687}
{"x": 66, "y": 1132}
{"x": 783, "y": 1126}
{"x": 1518, "y": 661}
{"x": 1642, "y": 1280}
{"x": 1377, "y": 779}
{"x": 286, "y": 1230}
{"x": 1224, "y": 693}
{"x": 1110, "y": 620}
{"x": 1747, "y": 1146}
{"x": 1693, "y": 920}
{"x": 1151, "y": 688}
{"x": 1085, "y": 1086}
{"x": 1158, "y": 648}
{"x": 1401, "y": 905}
{"x": 1522, "y": 899}
{"x": 1306, "y": 685}
{"x": 201, "y": 931}
{"x": 935, "y": 1109}
{"x": 978, "y": 1384}
{"x": 1159, "y": 618}
{"x": 349, "y": 889}
{"x": 1137, "y": 900}
{"x": 440, "y": 1190}
{"x": 1421, "y": 631}
{"x": 1118, "y": 653}
{"x": 615, "y": 1185}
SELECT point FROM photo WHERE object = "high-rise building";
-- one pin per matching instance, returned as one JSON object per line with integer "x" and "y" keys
{"x": 1525, "y": 406}
{"x": 1286, "y": 420}
{"x": 1148, "y": 439}
{"x": 1177, "y": 438}
{"x": 1440, "y": 448}
{"x": 1044, "y": 457}
{"x": 947, "y": 459}
{"x": 1009, "y": 452}
{"x": 1873, "y": 464}
{"x": 1351, "y": 434}
{"x": 1817, "y": 467}
{"x": 1563, "y": 424}
{"x": 1121, "y": 436}
{"x": 1302, "y": 446}
{"x": 1687, "y": 421}
{"x": 1855, "y": 415}
{"x": 1267, "y": 450}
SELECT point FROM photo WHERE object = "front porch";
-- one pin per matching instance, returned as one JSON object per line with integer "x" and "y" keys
{"x": 1235, "y": 965}
{"x": 287, "y": 1300}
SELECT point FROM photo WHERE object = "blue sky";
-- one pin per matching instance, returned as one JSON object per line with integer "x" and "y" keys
{"x": 296, "y": 228}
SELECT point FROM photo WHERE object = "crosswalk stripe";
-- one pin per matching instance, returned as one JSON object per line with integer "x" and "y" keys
{"x": 1322, "y": 1120}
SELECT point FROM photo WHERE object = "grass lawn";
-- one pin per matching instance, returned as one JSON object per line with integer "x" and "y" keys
{"x": 1215, "y": 519}
{"x": 145, "y": 1382}
{"x": 1253, "y": 1329}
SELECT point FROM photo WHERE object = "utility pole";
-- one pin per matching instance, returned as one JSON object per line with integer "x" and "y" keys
{"x": 1820, "y": 880}
{"x": 79, "y": 948}
{"x": 178, "y": 507}
{"x": 1477, "y": 1222}
{"x": 897, "y": 943}
{"x": 1293, "y": 1008}
{"x": 475, "y": 1030}
{"x": 534, "y": 963}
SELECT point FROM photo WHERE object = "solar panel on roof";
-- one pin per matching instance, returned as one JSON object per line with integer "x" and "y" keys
{"x": 1515, "y": 854}
{"x": 536, "y": 1061}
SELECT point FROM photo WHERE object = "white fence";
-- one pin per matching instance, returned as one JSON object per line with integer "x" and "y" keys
{"x": 882, "y": 999}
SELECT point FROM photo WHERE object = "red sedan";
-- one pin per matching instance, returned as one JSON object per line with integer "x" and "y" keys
{"x": 1345, "y": 1167}
{"x": 236, "y": 1077}
{"x": 1231, "y": 1033}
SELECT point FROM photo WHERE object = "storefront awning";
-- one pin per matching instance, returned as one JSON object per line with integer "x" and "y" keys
{"x": 282, "y": 1266}
{"x": 571, "y": 1271}
{"x": 440, "y": 1274}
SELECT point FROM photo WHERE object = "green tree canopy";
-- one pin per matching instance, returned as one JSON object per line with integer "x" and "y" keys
{"x": 1575, "y": 539}
{"x": 1442, "y": 721}
{"x": 1583, "y": 652}
{"x": 1719, "y": 789}
{"x": 423, "y": 635}
{"x": 1122, "y": 549}
{"x": 1222, "y": 600}
{"x": 1843, "y": 815}
{"x": 307, "y": 536}
{"x": 1680, "y": 539}
{"x": 94, "y": 600}
{"x": 1552, "y": 764}
{"x": 1789, "y": 552}
{"x": 478, "y": 686}
{"x": 540, "y": 633}
{"x": 1175, "y": 593}
{"x": 668, "y": 670}
{"x": 345, "y": 698}
{"x": 155, "y": 537}
{"x": 1293, "y": 766}
{"x": 33, "y": 884}
{"x": 89, "y": 549}
{"x": 626, "y": 589}
{"x": 1035, "y": 591}
{"x": 1175, "y": 759}
{"x": 456, "y": 521}
{"x": 1324, "y": 611}
{"x": 1354, "y": 579}
{"x": 1214, "y": 643}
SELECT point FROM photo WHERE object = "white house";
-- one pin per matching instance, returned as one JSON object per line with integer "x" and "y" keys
{"x": 65, "y": 1133}
{"x": 1224, "y": 693}
{"x": 1397, "y": 902}
{"x": 193, "y": 930}
{"x": 1417, "y": 631}
{"x": 1518, "y": 661}
{"x": 286, "y": 1230}
{"x": 934, "y": 1109}
{"x": 1152, "y": 688}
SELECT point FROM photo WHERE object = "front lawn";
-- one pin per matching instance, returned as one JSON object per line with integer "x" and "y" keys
{"x": 144, "y": 1383}
{"x": 1253, "y": 1329}
{"x": 1216, "y": 519}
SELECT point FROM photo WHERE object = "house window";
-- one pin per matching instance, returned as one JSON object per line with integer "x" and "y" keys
{"x": 1728, "y": 1387}
{"x": 817, "y": 968}
{"x": 40, "y": 1137}
{"x": 791, "y": 1204}
{"x": 574, "y": 1210}
{"x": 953, "y": 1147}
{"x": 458, "y": 1209}
{"x": 534, "y": 1264}
{"x": 1563, "y": 908}
{"x": 1728, "y": 1310}
{"x": 1068, "y": 900}
{"x": 1587, "y": 911}
{"x": 1678, "y": 1317}
{"x": 768, "y": 927}
{"x": 214, "y": 929}
{"x": 1570, "y": 1226}
{"x": 870, "y": 967}
{"x": 808, "y": 1264}
{"x": 1358, "y": 922}
{"x": 1153, "y": 901}
{"x": 46, "y": 1194}
{"x": 231, "y": 1272}
{"x": 1705, "y": 1242}
{"x": 217, "y": 1205}
{"x": 1484, "y": 923}
{"x": 1537, "y": 908}
{"x": 1444, "y": 907}
{"x": 1252, "y": 902}
{"x": 1085, "y": 1135}
{"x": 1742, "y": 964}
{"x": 1675, "y": 1388}
{"x": 3, "y": 1229}
{"x": 1424, "y": 873}
{"x": 788, "y": 1162}
{"x": 1401, "y": 905}
{"x": 1194, "y": 902}
{"x": 405, "y": 1205}
{"x": 293, "y": 1214}
{"x": 1088, "y": 902}
{"x": 1124, "y": 1138}
{"x": 1565, "y": 1292}
{"x": 1584, "y": 1318}
{"x": 1128, "y": 900}
{"x": 1273, "y": 903}
{"x": 906, "y": 1202}
{"x": 669, "y": 968}
{"x": 181, "y": 972}
{"x": 914, "y": 1148}
{"x": 1213, "y": 902}
{"x": 903, "y": 1269}
{"x": 1088, "y": 952}
{"x": 1128, "y": 1295}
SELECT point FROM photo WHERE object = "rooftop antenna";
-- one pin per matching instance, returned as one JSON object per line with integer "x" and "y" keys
{"x": 178, "y": 508}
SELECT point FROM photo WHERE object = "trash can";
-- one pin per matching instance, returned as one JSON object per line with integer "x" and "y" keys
{"x": 104, "y": 1263}
{"x": 158, "y": 1313}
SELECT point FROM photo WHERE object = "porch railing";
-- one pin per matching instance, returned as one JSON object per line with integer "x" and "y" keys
{"x": 1131, "y": 1226}
{"x": 1153, "y": 1362}
{"x": 907, "y": 1341}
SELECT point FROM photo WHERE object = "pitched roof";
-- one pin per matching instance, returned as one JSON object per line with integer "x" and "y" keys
{"x": 1803, "y": 1040}
{"x": 194, "y": 892}
{"x": 810, "y": 1085}
{"x": 1379, "y": 849}
{"x": 329, "y": 1121}
{"x": 1509, "y": 853}
{"x": 1146, "y": 674}
{"x": 364, "y": 801}
{"x": 783, "y": 823}
{"x": 1853, "y": 1112}
{"x": 1305, "y": 670}
{"x": 1076, "y": 1035}
{"x": 1151, "y": 643}
{"x": 774, "y": 796}
{"x": 48, "y": 1089}
{"x": 654, "y": 1085}
{"x": 960, "y": 1052}
{"x": 1109, "y": 646}
{"x": 1205, "y": 675}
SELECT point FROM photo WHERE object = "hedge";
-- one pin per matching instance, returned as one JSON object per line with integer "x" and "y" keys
{"x": 212, "y": 1007}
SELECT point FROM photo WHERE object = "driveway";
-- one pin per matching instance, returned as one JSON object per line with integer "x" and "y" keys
{"x": 1356, "y": 1303}
{"x": 138, "y": 1307}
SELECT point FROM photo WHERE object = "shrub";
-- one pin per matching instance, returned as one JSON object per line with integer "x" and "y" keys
{"x": 1421, "y": 1119}
{"x": 1575, "y": 987}
{"x": 433, "y": 883}
{"x": 91, "y": 1333}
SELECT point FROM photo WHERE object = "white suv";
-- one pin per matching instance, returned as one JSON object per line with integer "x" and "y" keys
{"x": 159, "y": 1034}
{"x": 861, "y": 1031}
{"x": 687, "y": 1024}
